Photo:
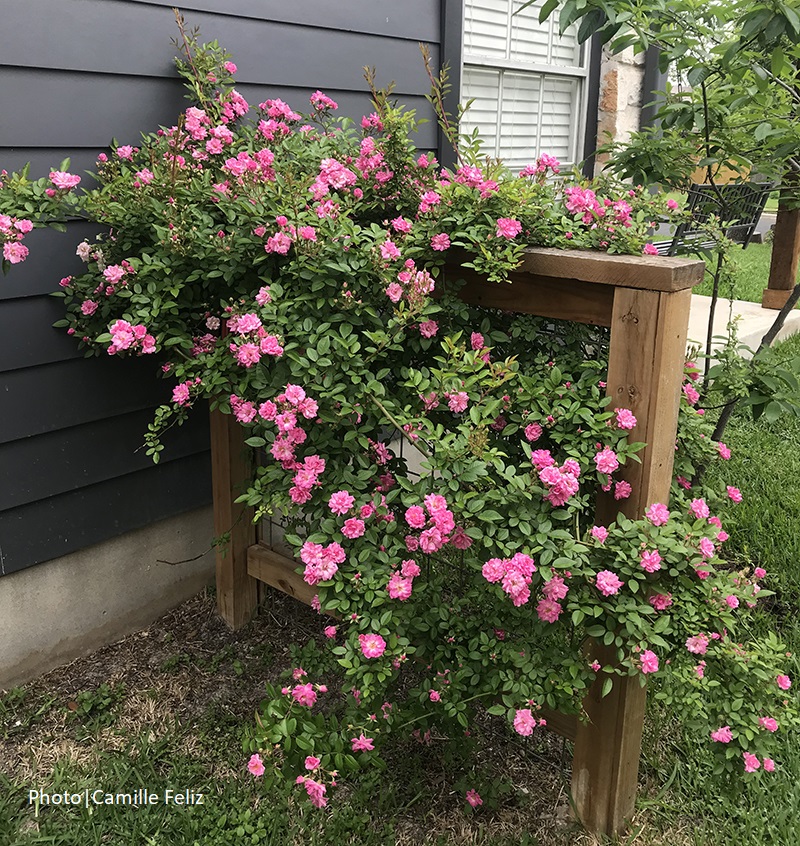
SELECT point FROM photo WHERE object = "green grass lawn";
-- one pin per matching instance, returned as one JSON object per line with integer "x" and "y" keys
{"x": 750, "y": 277}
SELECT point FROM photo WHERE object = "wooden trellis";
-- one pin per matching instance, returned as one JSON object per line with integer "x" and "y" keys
{"x": 645, "y": 301}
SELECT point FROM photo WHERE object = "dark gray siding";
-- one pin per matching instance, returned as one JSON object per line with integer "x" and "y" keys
{"x": 73, "y": 75}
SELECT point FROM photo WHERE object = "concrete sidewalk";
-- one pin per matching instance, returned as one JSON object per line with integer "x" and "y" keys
{"x": 754, "y": 321}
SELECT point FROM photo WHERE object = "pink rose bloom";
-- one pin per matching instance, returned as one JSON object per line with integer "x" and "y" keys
{"x": 440, "y": 242}
{"x": 457, "y": 402}
{"x": 783, "y": 682}
{"x": 180, "y": 394}
{"x": 751, "y": 762}
{"x": 362, "y": 744}
{"x": 698, "y": 644}
{"x": 311, "y": 762}
{"x": 735, "y": 494}
{"x": 608, "y": 583}
{"x": 88, "y": 307}
{"x": 650, "y": 561}
{"x": 399, "y": 587}
{"x": 769, "y": 765}
{"x": 64, "y": 181}
{"x": 661, "y": 601}
{"x": 394, "y": 292}
{"x": 699, "y": 508}
{"x": 494, "y": 570}
{"x": 768, "y": 723}
{"x": 410, "y": 569}
{"x": 706, "y": 548}
{"x": 625, "y": 418}
{"x": 657, "y": 514}
{"x": 389, "y": 250}
{"x": 507, "y": 227}
{"x": 330, "y": 632}
{"x": 533, "y": 431}
{"x": 428, "y": 329}
{"x": 555, "y": 589}
{"x": 760, "y": 573}
{"x": 230, "y": 67}
{"x": 722, "y": 735}
{"x": 548, "y": 610}
{"x": 731, "y": 601}
{"x": 415, "y": 517}
{"x": 622, "y": 490}
{"x": 372, "y": 645}
{"x": 431, "y": 541}
{"x": 524, "y": 722}
{"x": 541, "y": 458}
{"x": 724, "y": 451}
{"x": 14, "y": 252}
{"x": 476, "y": 341}
{"x": 474, "y": 798}
{"x": 691, "y": 394}
{"x": 256, "y": 765}
{"x": 353, "y": 528}
{"x": 606, "y": 461}
{"x": 304, "y": 694}
{"x": 650, "y": 250}
{"x": 599, "y": 533}
{"x": 648, "y": 661}
{"x": 341, "y": 502}
{"x": 434, "y": 695}
{"x": 315, "y": 790}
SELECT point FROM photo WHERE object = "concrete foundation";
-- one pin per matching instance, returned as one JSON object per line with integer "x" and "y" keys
{"x": 60, "y": 610}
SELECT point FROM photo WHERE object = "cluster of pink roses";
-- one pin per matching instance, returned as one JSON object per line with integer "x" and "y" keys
{"x": 322, "y": 562}
{"x": 12, "y": 231}
{"x": 514, "y": 574}
{"x": 438, "y": 526}
{"x": 561, "y": 482}
{"x": 126, "y": 336}
{"x": 401, "y": 582}
{"x": 252, "y": 340}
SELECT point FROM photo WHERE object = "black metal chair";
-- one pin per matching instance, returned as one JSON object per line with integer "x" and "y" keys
{"x": 738, "y": 205}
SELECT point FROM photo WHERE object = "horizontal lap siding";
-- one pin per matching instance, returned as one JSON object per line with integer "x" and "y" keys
{"x": 75, "y": 74}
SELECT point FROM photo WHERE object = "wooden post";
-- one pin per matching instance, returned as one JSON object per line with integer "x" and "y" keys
{"x": 785, "y": 256}
{"x": 648, "y": 349}
{"x": 231, "y": 467}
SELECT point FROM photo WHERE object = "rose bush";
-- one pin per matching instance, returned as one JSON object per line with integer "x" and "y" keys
{"x": 436, "y": 464}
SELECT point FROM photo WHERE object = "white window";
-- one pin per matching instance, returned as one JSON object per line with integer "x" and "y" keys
{"x": 528, "y": 83}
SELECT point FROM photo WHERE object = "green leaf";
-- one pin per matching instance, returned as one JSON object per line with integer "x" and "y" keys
{"x": 607, "y": 685}
{"x": 544, "y": 13}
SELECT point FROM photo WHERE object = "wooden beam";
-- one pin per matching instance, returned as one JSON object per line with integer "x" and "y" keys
{"x": 785, "y": 258}
{"x": 231, "y": 469}
{"x": 649, "y": 273}
{"x": 277, "y": 570}
{"x": 648, "y": 348}
{"x": 545, "y": 296}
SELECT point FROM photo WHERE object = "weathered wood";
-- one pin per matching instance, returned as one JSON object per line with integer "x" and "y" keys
{"x": 650, "y": 273}
{"x": 564, "y": 724}
{"x": 785, "y": 257}
{"x": 231, "y": 468}
{"x": 277, "y": 570}
{"x": 545, "y": 296}
{"x": 648, "y": 347}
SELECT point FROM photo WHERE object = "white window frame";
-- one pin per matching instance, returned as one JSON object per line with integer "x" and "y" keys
{"x": 541, "y": 70}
